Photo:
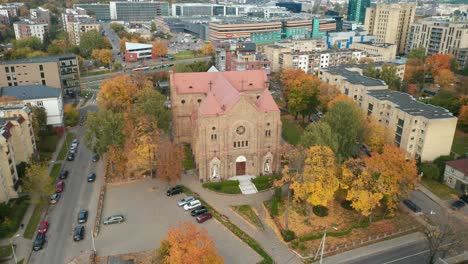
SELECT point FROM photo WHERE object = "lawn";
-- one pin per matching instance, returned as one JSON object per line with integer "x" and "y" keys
{"x": 47, "y": 146}
{"x": 291, "y": 132}
{"x": 183, "y": 55}
{"x": 11, "y": 216}
{"x": 34, "y": 221}
{"x": 460, "y": 143}
{"x": 439, "y": 188}
{"x": 5, "y": 252}
{"x": 54, "y": 173}
{"x": 188, "y": 161}
{"x": 94, "y": 73}
{"x": 65, "y": 146}
{"x": 230, "y": 187}
{"x": 248, "y": 214}
{"x": 265, "y": 182}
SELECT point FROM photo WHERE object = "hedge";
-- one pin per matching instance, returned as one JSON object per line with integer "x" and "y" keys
{"x": 288, "y": 235}
{"x": 230, "y": 187}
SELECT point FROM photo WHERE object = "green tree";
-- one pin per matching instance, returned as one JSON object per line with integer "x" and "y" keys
{"x": 91, "y": 40}
{"x": 347, "y": 121}
{"x": 319, "y": 134}
{"x": 417, "y": 53}
{"x": 152, "y": 102}
{"x": 153, "y": 26}
{"x": 39, "y": 121}
{"x": 390, "y": 76}
{"x": 33, "y": 43}
{"x": 103, "y": 129}
{"x": 199, "y": 66}
{"x": 37, "y": 182}
{"x": 447, "y": 100}
{"x": 371, "y": 71}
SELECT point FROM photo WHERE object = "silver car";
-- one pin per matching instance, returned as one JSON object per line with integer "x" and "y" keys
{"x": 185, "y": 201}
{"x": 114, "y": 219}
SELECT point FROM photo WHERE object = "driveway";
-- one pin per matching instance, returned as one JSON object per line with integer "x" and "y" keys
{"x": 149, "y": 214}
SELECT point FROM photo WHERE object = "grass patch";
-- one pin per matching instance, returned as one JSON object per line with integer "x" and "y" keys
{"x": 248, "y": 214}
{"x": 55, "y": 172}
{"x": 63, "y": 151}
{"x": 47, "y": 146}
{"x": 265, "y": 182}
{"x": 5, "y": 252}
{"x": 184, "y": 55}
{"x": 34, "y": 221}
{"x": 188, "y": 161}
{"x": 11, "y": 215}
{"x": 438, "y": 188}
{"x": 231, "y": 187}
{"x": 94, "y": 73}
{"x": 291, "y": 132}
{"x": 460, "y": 144}
{"x": 252, "y": 243}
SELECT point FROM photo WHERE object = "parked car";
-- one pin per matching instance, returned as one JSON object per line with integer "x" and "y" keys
{"x": 59, "y": 186}
{"x": 464, "y": 198}
{"x": 192, "y": 205}
{"x": 54, "y": 198}
{"x": 457, "y": 205}
{"x": 174, "y": 190}
{"x": 63, "y": 174}
{"x": 411, "y": 205}
{"x": 43, "y": 227}
{"x": 114, "y": 219}
{"x": 75, "y": 142}
{"x": 95, "y": 158}
{"x": 204, "y": 217}
{"x": 39, "y": 241}
{"x": 82, "y": 216}
{"x": 78, "y": 233}
{"x": 71, "y": 156}
{"x": 91, "y": 177}
{"x": 185, "y": 200}
{"x": 200, "y": 210}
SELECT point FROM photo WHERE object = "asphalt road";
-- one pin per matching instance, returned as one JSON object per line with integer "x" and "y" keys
{"x": 78, "y": 194}
{"x": 114, "y": 40}
{"x": 415, "y": 253}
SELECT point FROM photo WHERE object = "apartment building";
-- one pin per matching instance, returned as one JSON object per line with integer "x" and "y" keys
{"x": 239, "y": 56}
{"x": 424, "y": 131}
{"x": 377, "y": 51}
{"x": 11, "y": 10}
{"x": 311, "y": 61}
{"x": 390, "y": 23}
{"x": 440, "y": 35}
{"x": 357, "y": 10}
{"x": 40, "y": 15}
{"x": 27, "y": 29}
{"x": 60, "y": 71}
{"x": 17, "y": 145}
{"x": 76, "y": 22}
{"x": 137, "y": 10}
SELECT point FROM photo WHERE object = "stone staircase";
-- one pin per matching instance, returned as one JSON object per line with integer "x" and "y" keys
{"x": 246, "y": 186}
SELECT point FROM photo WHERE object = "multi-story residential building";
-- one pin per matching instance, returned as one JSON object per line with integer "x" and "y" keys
{"x": 357, "y": 10}
{"x": 456, "y": 175}
{"x": 60, "y": 71}
{"x": 37, "y": 95}
{"x": 76, "y": 22}
{"x": 17, "y": 145}
{"x": 311, "y": 61}
{"x": 100, "y": 11}
{"x": 11, "y": 10}
{"x": 377, "y": 51}
{"x": 424, "y": 131}
{"x": 440, "y": 35}
{"x": 239, "y": 56}
{"x": 137, "y": 10}
{"x": 27, "y": 29}
{"x": 390, "y": 23}
{"x": 40, "y": 15}
{"x": 344, "y": 40}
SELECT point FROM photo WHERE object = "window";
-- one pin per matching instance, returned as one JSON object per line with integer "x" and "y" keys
{"x": 268, "y": 133}
{"x": 10, "y": 84}
{"x": 42, "y": 75}
{"x": 235, "y": 144}
{"x": 7, "y": 69}
{"x": 214, "y": 137}
{"x": 8, "y": 78}
{"x": 183, "y": 101}
{"x": 12, "y": 69}
{"x": 43, "y": 82}
{"x": 15, "y": 83}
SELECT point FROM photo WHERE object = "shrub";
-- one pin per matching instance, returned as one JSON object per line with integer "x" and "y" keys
{"x": 277, "y": 193}
{"x": 288, "y": 235}
{"x": 430, "y": 171}
{"x": 11, "y": 215}
{"x": 346, "y": 205}
{"x": 320, "y": 211}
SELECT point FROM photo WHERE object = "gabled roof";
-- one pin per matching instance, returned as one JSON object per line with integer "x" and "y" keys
{"x": 266, "y": 102}
{"x": 460, "y": 165}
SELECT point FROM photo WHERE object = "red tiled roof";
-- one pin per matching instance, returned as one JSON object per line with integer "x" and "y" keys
{"x": 460, "y": 165}
{"x": 266, "y": 102}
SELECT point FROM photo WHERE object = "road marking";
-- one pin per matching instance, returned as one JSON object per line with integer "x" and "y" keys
{"x": 395, "y": 260}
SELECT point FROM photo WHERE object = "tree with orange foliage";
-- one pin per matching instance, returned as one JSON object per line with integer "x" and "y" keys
{"x": 396, "y": 175}
{"x": 122, "y": 42}
{"x": 104, "y": 56}
{"x": 445, "y": 78}
{"x": 412, "y": 89}
{"x": 366, "y": 60}
{"x": 170, "y": 161}
{"x": 415, "y": 72}
{"x": 326, "y": 94}
{"x": 340, "y": 98}
{"x": 376, "y": 135}
{"x": 159, "y": 48}
{"x": 116, "y": 157}
{"x": 463, "y": 119}
{"x": 207, "y": 49}
{"x": 438, "y": 62}
{"x": 186, "y": 244}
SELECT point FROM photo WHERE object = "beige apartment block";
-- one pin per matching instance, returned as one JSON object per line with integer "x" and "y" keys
{"x": 230, "y": 120}
{"x": 76, "y": 22}
{"x": 390, "y": 23}
{"x": 26, "y": 29}
{"x": 379, "y": 51}
{"x": 17, "y": 145}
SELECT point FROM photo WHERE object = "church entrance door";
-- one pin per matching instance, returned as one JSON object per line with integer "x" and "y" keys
{"x": 240, "y": 168}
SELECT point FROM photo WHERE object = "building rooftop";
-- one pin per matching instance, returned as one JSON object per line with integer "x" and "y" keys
{"x": 354, "y": 77}
{"x": 129, "y": 46}
{"x": 29, "y": 92}
{"x": 460, "y": 165}
{"x": 28, "y": 22}
{"x": 38, "y": 60}
{"x": 323, "y": 51}
{"x": 376, "y": 44}
{"x": 408, "y": 104}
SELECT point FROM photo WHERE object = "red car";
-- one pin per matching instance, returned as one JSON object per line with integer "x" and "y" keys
{"x": 59, "y": 187}
{"x": 204, "y": 217}
{"x": 43, "y": 227}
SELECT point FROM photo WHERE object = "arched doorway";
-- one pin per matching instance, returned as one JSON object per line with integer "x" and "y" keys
{"x": 240, "y": 165}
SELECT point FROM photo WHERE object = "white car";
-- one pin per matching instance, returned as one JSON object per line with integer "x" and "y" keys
{"x": 192, "y": 205}
{"x": 185, "y": 201}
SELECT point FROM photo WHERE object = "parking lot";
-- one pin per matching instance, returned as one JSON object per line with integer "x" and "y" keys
{"x": 149, "y": 213}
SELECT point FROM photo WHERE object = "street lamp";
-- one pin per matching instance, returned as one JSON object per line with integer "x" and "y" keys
{"x": 13, "y": 248}
{"x": 322, "y": 244}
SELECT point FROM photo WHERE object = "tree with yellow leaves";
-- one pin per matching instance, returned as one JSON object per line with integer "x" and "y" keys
{"x": 104, "y": 56}
{"x": 170, "y": 161}
{"x": 319, "y": 180}
{"x": 445, "y": 78}
{"x": 207, "y": 49}
{"x": 376, "y": 135}
{"x": 71, "y": 115}
{"x": 159, "y": 48}
{"x": 116, "y": 157}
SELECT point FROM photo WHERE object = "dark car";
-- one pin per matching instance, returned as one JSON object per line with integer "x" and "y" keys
{"x": 174, "y": 190}
{"x": 91, "y": 177}
{"x": 82, "y": 216}
{"x": 411, "y": 205}
{"x": 200, "y": 210}
{"x": 39, "y": 241}
{"x": 78, "y": 233}
{"x": 457, "y": 205}
{"x": 71, "y": 156}
{"x": 95, "y": 158}
{"x": 63, "y": 174}
{"x": 464, "y": 198}
{"x": 204, "y": 217}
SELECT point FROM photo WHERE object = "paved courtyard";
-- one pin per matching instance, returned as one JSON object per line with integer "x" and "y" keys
{"x": 149, "y": 213}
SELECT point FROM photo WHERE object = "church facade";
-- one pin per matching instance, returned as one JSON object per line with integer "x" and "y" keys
{"x": 230, "y": 120}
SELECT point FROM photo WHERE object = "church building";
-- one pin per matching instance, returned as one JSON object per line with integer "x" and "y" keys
{"x": 230, "y": 120}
